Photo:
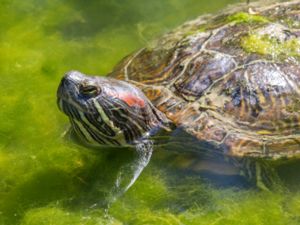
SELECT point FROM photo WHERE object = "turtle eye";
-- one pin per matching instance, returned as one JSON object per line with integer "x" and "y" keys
{"x": 89, "y": 90}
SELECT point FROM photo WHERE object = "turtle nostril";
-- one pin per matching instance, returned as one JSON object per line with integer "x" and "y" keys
{"x": 62, "y": 88}
{"x": 74, "y": 76}
{"x": 65, "y": 83}
{"x": 70, "y": 80}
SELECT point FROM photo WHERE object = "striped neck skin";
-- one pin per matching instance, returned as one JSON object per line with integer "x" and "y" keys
{"x": 105, "y": 111}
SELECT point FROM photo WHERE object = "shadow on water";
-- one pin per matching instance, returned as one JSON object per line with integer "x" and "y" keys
{"x": 288, "y": 172}
{"x": 95, "y": 16}
{"x": 42, "y": 187}
{"x": 183, "y": 154}
{"x": 98, "y": 16}
{"x": 83, "y": 188}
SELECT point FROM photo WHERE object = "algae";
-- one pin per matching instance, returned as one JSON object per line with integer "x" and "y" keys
{"x": 265, "y": 45}
{"x": 291, "y": 23}
{"x": 237, "y": 18}
{"x": 243, "y": 17}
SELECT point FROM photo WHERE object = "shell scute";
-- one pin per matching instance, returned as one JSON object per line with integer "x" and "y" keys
{"x": 258, "y": 96}
{"x": 201, "y": 73}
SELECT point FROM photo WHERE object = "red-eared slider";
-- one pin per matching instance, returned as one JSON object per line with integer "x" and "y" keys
{"x": 231, "y": 80}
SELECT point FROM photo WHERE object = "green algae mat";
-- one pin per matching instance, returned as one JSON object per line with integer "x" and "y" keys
{"x": 46, "y": 179}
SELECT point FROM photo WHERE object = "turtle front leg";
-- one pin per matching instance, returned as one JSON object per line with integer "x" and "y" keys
{"x": 129, "y": 172}
{"x": 258, "y": 172}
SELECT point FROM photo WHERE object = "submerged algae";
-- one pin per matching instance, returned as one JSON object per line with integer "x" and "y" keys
{"x": 59, "y": 216}
{"x": 229, "y": 208}
{"x": 45, "y": 179}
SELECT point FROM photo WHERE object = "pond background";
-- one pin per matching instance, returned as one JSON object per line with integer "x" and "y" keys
{"x": 48, "y": 179}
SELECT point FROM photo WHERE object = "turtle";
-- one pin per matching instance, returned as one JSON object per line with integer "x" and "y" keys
{"x": 230, "y": 80}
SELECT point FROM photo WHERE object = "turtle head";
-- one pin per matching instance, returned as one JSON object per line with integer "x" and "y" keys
{"x": 107, "y": 111}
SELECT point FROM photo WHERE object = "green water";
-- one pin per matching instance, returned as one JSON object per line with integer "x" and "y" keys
{"x": 48, "y": 179}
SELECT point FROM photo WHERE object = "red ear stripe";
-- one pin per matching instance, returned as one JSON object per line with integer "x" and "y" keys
{"x": 132, "y": 100}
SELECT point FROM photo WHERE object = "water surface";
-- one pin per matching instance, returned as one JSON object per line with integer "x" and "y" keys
{"x": 48, "y": 179}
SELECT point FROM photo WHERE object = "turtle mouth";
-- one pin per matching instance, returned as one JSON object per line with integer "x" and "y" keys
{"x": 86, "y": 121}
{"x": 68, "y": 101}
{"x": 68, "y": 109}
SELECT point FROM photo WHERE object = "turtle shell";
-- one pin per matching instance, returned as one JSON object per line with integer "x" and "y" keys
{"x": 232, "y": 79}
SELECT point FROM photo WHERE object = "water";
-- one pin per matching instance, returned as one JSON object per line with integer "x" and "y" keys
{"x": 48, "y": 179}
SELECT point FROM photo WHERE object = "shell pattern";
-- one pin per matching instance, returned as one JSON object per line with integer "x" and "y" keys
{"x": 232, "y": 79}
